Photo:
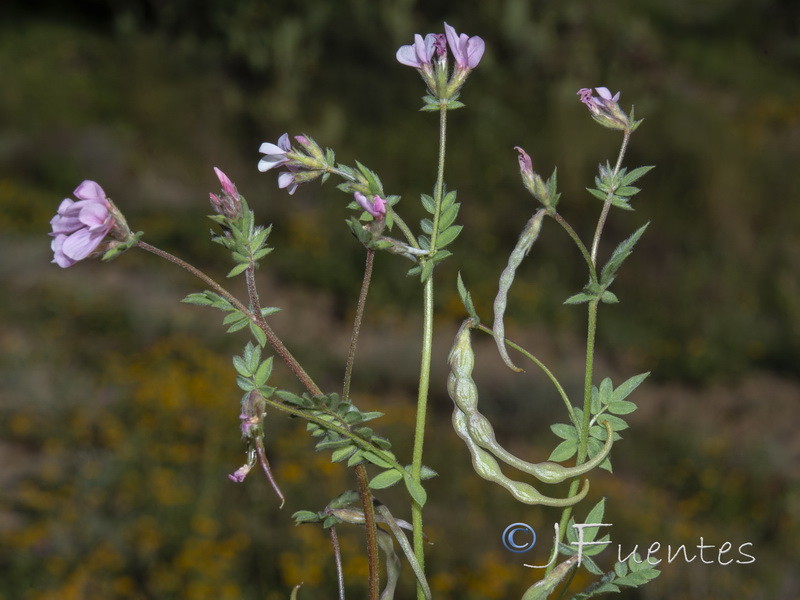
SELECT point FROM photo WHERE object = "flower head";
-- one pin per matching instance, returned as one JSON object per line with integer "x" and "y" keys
{"x": 79, "y": 227}
{"x": 275, "y": 155}
{"x": 376, "y": 207}
{"x": 604, "y": 108}
{"x": 467, "y": 50}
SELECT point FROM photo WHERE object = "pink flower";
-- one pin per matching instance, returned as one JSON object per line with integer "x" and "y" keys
{"x": 275, "y": 155}
{"x": 287, "y": 180}
{"x": 604, "y": 108}
{"x": 417, "y": 55}
{"x": 376, "y": 207}
{"x": 79, "y": 227}
{"x": 240, "y": 473}
{"x": 467, "y": 51}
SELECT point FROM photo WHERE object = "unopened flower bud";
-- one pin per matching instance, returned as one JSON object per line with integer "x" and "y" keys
{"x": 376, "y": 207}
{"x": 532, "y": 180}
{"x": 228, "y": 204}
{"x": 312, "y": 148}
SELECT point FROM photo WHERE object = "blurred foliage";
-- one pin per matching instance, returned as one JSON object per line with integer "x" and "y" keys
{"x": 118, "y": 489}
{"x": 716, "y": 87}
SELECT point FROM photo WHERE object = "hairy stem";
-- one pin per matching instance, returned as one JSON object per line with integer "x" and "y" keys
{"x": 362, "y": 301}
{"x": 372, "y": 533}
{"x": 337, "y": 556}
{"x": 361, "y": 471}
{"x": 313, "y": 389}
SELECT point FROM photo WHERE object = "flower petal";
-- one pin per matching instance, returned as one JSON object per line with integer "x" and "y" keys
{"x": 90, "y": 190}
{"x": 407, "y": 55}
{"x": 82, "y": 243}
{"x": 94, "y": 216}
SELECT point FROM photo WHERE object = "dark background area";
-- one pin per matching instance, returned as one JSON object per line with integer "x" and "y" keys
{"x": 119, "y": 409}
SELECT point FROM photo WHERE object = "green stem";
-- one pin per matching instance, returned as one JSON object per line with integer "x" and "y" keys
{"x": 539, "y": 364}
{"x": 607, "y": 205}
{"x": 578, "y": 242}
{"x": 584, "y": 430}
{"x": 405, "y": 229}
{"x": 425, "y": 364}
{"x": 419, "y": 430}
{"x": 587, "y": 382}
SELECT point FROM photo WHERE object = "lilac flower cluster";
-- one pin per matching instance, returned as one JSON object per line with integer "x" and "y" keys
{"x": 79, "y": 227}
{"x": 277, "y": 155}
{"x": 467, "y": 52}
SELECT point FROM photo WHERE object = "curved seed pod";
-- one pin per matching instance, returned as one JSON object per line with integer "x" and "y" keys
{"x": 464, "y": 393}
{"x": 481, "y": 432}
{"x": 524, "y": 244}
{"x": 486, "y": 466}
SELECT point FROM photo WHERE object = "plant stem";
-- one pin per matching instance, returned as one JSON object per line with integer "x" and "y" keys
{"x": 425, "y": 363}
{"x": 361, "y": 471}
{"x": 372, "y": 533}
{"x": 256, "y": 317}
{"x": 337, "y": 556}
{"x": 587, "y": 405}
{"x": 362, "y": 301}
{"x": 587, "y": 382}
{"x": 607, "y": 206}
{"x": 419, "y": 430}
{"x": 197, "y": 273}
{"x": 539, "y": 364}
{"x": 578, "y": 242}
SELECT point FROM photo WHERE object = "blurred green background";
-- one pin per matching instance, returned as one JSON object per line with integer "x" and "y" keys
{"x": 119, "y": 410}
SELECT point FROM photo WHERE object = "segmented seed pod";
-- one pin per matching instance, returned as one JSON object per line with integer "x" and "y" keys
{"x": 524, "y": 245}
{"x": 486, "y": 466}
{"x": 478, "y": 434}
{"x": 481, "y": 432}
